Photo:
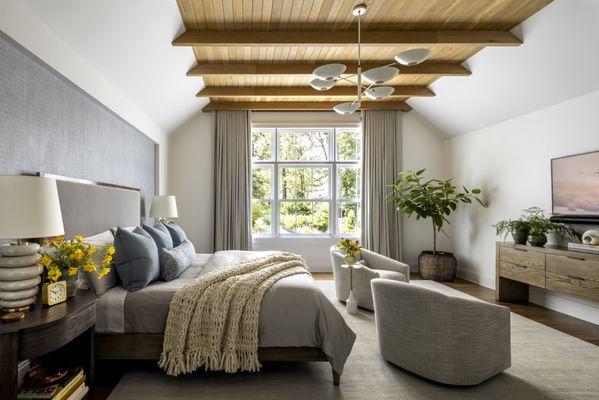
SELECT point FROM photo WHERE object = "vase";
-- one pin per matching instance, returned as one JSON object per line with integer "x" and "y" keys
{"x": 349, "y": 260}
{"x": 520, "y": 236}
{"x": 538, "y": 240}
{"x": 72, "y": 285}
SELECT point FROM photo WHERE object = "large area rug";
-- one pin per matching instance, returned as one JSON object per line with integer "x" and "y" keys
{"x": 546, "y": 364}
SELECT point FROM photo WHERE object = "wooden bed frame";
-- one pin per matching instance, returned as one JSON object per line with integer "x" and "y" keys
{"x": 148, "y": 346}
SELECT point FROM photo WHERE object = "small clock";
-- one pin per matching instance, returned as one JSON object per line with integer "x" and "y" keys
{"x": 54, "y": 293}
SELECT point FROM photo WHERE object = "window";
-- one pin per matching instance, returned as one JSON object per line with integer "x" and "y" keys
{"x": 306, "y": 181}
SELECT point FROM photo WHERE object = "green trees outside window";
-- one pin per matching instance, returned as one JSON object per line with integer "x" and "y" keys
{"x": 306, "y": 181}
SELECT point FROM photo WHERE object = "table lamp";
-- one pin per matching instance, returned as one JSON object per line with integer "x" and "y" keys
{"x": 29, "y": 208}
{"x": 164, "y": 207}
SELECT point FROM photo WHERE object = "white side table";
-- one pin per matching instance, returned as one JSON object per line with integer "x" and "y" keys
{"x": 351, "y": 305}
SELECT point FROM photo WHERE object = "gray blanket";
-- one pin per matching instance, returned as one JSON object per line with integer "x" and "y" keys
{"x": 294, "y": 311}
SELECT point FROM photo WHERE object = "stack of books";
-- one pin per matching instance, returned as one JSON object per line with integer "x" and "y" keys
{"x": 586, "y": 248}
{"x": 42, "y": 383}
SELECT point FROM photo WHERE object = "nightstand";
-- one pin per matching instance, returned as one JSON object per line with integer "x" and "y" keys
{"x": 46, "y": 329}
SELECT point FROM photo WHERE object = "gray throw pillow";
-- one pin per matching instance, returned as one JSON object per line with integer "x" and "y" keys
{"x": 135, "y": 258}
{"x": 176, "y": 260}
{"x": 177, "y": 234}
{"x": 160, "y": 234}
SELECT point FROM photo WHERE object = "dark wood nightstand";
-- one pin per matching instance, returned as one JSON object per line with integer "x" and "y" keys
{"x": 43, "y": 330}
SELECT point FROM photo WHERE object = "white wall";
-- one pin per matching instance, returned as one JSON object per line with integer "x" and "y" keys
{"x": 422, "y": 148}
{"x": 191, "y": 149}
{"x": 511, "y": 162}
{"x": 32, "y": 33}
{"x": 190, "y": 178}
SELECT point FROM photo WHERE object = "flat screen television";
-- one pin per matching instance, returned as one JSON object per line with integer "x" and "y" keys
{"x": 575, "y": 188}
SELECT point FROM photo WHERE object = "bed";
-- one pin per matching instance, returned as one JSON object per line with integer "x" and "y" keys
{"x": 130, "y": 325}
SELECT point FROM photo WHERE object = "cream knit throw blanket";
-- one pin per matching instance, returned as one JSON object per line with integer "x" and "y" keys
{"x": 214, "y": 322}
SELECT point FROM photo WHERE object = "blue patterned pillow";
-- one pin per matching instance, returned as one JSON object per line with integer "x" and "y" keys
{"x": 174, "y": 261}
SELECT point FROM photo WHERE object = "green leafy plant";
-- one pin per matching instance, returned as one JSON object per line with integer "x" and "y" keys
{"x": 540, "y": 225}
{"x": 430, "y": 198}
{"x": 507, "y": 226}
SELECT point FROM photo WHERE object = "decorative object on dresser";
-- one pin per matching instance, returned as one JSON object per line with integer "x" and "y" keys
{"x": 434, "y": 199}
{"x": 164, "y": 207}
{"x": 440, "y": 333}
{"x": 554, "y": 268}
{"x": 29, "y": 208}
{"x": 351, "y": 249}
{"x": 591, "y": 238}
{"x": 518, "y": 228}
{"x": 540, "y": 226}
{"x": 45, "y": 330}
{"x": 65, "y": 259}
{"x": 371, "y": 265}
{"x": 585, "y": 248}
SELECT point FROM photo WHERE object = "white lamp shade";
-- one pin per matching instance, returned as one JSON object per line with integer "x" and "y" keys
{"x": 164, "y": 207}
{"x": 329, "y": 72}
{"x": 379, "y": 92}
{"x": 347, "y": 108}
{"x": 413, "y": 57}
{"x": 29, "y": 208}
{"x": 380, "y": 75}
{"x": 321, "y": 85}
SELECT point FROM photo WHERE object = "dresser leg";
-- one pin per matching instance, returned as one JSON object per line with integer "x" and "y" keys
{"x": 511, "y": 291}
{"x": 9, "y": 363}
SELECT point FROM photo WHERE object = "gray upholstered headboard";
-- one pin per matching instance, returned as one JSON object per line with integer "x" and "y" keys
{"x": 89, "y": 208}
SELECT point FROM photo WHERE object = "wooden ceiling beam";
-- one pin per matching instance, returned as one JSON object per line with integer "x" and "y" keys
{"x": 306, "y": 69}
{"x": 303, "y": 91}
{"x": 300, "y": 105}
{"x": 345, "y": 38}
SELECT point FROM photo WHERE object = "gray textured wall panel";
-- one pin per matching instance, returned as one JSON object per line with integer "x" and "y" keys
{"x": 50, "y": 125}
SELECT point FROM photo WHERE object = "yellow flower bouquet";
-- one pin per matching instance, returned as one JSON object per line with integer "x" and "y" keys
{"x": 63, "y": 259}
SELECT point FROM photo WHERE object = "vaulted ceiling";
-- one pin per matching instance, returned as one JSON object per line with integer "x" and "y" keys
{"x": 259, "y": 54}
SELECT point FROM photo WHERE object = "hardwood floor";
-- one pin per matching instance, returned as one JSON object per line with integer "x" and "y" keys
{"x": 564, "y": 323}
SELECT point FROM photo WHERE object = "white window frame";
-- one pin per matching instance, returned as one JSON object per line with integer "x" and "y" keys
{"x": 333, "y": 165}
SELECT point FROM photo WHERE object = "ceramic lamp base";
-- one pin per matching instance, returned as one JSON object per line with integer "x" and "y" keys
{"x": 351, "y": 305}
{"x": 19, "y": 275}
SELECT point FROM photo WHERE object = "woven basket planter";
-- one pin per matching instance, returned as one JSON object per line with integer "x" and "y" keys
{"x": 437, "y": 267}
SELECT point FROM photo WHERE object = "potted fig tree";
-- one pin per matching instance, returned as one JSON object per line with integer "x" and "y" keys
{"x": 433, "y": 199}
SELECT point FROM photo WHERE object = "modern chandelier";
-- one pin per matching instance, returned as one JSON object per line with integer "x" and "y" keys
{"x": 326, "y": 76}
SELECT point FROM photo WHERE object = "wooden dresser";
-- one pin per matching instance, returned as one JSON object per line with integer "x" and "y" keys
{"x": 550, "y": 267}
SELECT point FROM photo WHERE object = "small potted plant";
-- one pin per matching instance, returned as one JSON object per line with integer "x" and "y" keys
{"x": 65, "y": 258}
{"x": 519, "y": 228}
{"x": 435, "y": 199}
{"x": 540, "y": 226}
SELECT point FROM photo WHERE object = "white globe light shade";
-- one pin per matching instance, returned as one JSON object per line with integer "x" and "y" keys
{"x": 319, "y": 84}
{"x": 347, "y": 108}
{"x": 329, "y": 72}
{"x": 379, "y": 92}
{"x": 380, "y": 75}
{"x": 413, "y": 57}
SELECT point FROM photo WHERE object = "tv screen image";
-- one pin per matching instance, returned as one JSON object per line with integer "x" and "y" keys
{"x": 575, "y": 185}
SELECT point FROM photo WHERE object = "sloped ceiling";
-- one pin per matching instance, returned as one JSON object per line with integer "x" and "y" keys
{"x": 558, "y": 61}
{"x": 129, "y": 42}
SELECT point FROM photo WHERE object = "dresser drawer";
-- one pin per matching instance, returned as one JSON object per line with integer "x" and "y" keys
{"x": 522, "y": 265}
{"x": 522, "y": 257}
{"x": 576, "y": 275}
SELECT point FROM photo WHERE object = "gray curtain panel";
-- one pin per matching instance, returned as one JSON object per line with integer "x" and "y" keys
{"x": 232, "y": 214}
{"x": 381, "y": 223}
